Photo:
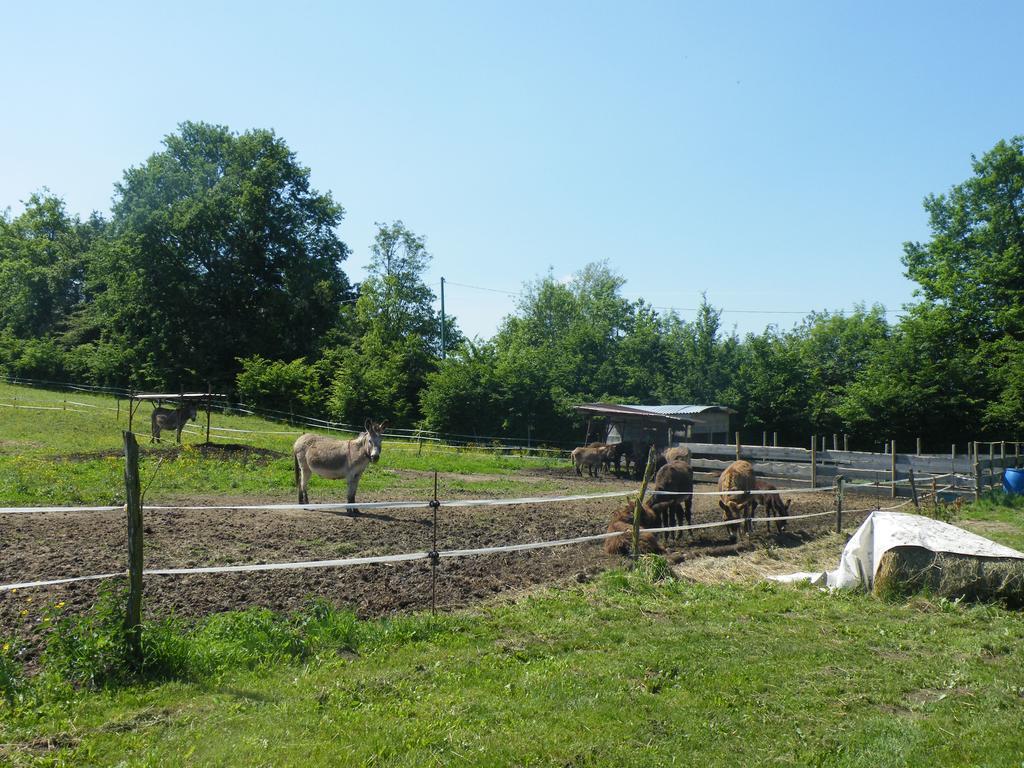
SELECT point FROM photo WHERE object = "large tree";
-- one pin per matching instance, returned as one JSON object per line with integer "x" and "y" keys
{"x": 971, "y": 278}
{"x": 221, "y": 249}
{"x": 42, "y": 267}
{"x": 382, "y": 373}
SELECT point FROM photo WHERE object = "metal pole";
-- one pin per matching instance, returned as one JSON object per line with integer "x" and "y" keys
{"x": 913, "y": 490}
{"x": 442, "y": 321}
{"x": 435, "y": 558}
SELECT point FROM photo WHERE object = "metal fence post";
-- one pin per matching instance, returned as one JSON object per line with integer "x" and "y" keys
{"x": 435, "y": 558}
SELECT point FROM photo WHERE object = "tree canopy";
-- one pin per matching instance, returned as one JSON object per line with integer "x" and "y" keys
{"x": 219, "y": 249}
{"x": 221, "y": 263}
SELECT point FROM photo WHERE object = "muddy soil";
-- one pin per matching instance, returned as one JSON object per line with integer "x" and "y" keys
{"x": 55, "y": 545}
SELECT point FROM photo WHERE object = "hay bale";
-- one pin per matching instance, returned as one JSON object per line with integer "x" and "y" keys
{"x": 904, "y": 571}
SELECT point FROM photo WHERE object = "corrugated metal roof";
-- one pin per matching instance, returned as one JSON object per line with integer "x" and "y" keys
{"x": 687, "y": 410}
{"x": 637, "y": 411}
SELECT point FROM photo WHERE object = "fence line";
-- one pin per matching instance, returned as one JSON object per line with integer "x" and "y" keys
{"x": 403, "y": 557}
{"x": 459, "y": 503}
{"x": 409, "y": 556}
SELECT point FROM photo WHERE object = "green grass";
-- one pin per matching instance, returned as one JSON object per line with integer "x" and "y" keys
{"x": 629, "y": 670}
{"x": 66, "y": 457}
{"x": 625, "y": 671}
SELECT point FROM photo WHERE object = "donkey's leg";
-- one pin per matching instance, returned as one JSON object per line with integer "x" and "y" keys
{"x": 353, "y": 485}
{"x": 302, "y": 473}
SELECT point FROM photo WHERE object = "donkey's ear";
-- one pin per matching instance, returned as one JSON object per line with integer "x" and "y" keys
{"x": 368, "y": 425}
{"x": 382, "y": 426}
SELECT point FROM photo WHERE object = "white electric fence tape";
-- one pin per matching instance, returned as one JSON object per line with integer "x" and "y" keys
{"x": 414, "y": 555}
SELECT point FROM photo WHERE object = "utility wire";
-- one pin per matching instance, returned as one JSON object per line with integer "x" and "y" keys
{"x": 799, "y": 312}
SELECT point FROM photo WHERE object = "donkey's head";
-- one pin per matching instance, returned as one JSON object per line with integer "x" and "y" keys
{"x": 374, "y": 430}
{"x": 190, "y": 412}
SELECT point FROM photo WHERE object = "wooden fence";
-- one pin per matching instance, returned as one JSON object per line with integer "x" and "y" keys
{"x": 889, "y": 474}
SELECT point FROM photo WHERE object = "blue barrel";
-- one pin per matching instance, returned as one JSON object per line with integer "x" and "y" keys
{"x": 1013, "y": 481}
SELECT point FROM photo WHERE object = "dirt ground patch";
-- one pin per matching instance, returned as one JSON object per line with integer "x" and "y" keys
{"x": 55, "y": 545}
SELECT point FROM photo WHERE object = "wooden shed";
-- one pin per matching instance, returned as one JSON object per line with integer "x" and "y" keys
{"x": 633, "y": 424}
{"x": 664, "y": 425}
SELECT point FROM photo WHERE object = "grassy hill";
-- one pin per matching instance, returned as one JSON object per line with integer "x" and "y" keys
{"x": 64, "y": 449}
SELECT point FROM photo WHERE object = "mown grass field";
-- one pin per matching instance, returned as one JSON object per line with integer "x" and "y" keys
{"x": 631, "y": 668}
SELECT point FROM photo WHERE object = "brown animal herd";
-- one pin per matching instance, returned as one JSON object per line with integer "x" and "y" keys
{"x": 672, "y": 499}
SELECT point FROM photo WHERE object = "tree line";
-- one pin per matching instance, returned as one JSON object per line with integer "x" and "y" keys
{"x": 220, "y": 263}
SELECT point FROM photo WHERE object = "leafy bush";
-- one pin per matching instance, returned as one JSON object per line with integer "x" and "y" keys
{"x": 273, "y": 383}
{"x": 39, "y": 358}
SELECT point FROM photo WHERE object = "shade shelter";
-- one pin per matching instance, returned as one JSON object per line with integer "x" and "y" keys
{"x": 635, "y": 424}
{"x": 202, "y": 401}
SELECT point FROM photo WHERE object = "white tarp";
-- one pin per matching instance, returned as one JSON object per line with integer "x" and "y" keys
{"x": 883, "y": 531}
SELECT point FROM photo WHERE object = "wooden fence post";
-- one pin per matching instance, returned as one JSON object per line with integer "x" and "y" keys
{"x": 991, "y": 465}
{"x": 775, "y": 439}
{"x": 764, "y": 439}
{"x": 209, "y": 405}
{"x": 839, "y": 503}
{"x": 919, "y": 446}
{"x": 846, "y": 442}
{"x": 814, "y": 461}
{"x": 977, "y": 473}
{"x": 737, "y": 446}
{"x": 639, "y": 502}
{"x": 133, "y": 505}
{"x": 835, "y": 442}
{"x": 913, "y": 490}
{"x": 892, "y": 472}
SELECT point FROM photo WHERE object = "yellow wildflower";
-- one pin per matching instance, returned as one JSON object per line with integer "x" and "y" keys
{"x": 7, "y": 647}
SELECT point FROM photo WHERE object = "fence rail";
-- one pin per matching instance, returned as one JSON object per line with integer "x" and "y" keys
{"x": 892, "y": 474}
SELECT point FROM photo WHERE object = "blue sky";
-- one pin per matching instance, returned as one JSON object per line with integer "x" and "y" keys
{"x": 772, "y": 155}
